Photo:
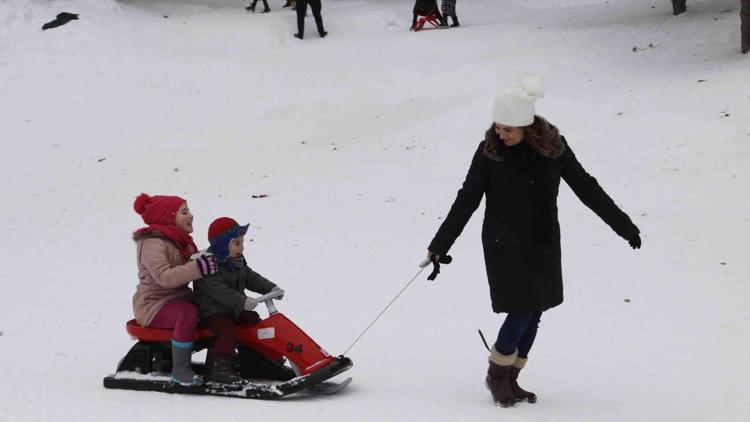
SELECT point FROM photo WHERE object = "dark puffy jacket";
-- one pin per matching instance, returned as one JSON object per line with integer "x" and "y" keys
{"x": 423, "y": 7}
{"x": 521, "y": 232}
{"x": 223, "y": 292}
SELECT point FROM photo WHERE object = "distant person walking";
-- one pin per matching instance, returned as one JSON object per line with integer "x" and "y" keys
{"x": 517, "y": 169}
{"x": 449, "y": 9}
{"x": 266, "y": 9}
{"x": 302, "y": 11}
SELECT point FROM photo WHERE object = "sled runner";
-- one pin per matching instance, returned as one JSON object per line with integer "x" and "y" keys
{"x": 146, "y": 367}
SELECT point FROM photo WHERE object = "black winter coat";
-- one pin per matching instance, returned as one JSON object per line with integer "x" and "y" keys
{"x": 224, "y": 291}
{"x": 423, "y": 7}
{"x": 521, "y": 232}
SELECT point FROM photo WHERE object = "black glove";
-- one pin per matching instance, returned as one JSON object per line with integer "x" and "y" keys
{"x": 61, "y": 19}
{"x": 436, "y": 265}
{"x": 633, "y": 237}
{"x": 635, "y": 241}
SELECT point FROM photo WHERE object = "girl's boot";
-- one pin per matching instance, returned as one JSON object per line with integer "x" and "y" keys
{"x": 498, "y": 378}
{"x": 519, "y": 393}
{"x": 182, "y": 373}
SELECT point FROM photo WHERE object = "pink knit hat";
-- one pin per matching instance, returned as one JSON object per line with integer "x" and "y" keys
{"x": 158, "y": 209}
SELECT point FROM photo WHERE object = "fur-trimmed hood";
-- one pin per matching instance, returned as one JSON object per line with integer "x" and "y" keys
{"x": 147, "y": 235}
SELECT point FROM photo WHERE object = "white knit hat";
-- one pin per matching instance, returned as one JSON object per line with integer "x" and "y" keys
{"x": 515, "y": 106}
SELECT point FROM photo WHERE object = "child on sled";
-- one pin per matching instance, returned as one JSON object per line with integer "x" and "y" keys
{"x": 220, "y": 297}
{"x": 162, "y": 298}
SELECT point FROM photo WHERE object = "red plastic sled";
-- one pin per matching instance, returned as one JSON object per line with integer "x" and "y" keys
{"x": 261, "y": 346}
{"x": 430, "y": 18}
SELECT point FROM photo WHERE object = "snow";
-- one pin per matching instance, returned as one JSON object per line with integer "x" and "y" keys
{"x": 360, "y": 141}
{"x": 143, "y": 377}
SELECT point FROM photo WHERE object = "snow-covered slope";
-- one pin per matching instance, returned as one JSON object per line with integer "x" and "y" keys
{"x": 360, "y": 141}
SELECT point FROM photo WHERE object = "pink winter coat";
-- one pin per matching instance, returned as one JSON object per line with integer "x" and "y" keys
{"x": 163, "y": 276}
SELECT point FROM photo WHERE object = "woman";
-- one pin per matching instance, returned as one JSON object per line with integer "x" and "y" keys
{"x": 162, "y": 298}
{"x": 518, "y": 168}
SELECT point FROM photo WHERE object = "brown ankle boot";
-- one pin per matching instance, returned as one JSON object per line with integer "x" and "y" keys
{"x": 498, "y": 378}
{"x": 519, "y": 393}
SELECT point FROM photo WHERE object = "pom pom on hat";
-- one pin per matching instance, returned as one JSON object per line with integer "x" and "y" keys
{"x": 158, "y": 209}
{"x": 515, "y": 106}
{"x": 532, "y": 86}
{"x": 140, "y": 203}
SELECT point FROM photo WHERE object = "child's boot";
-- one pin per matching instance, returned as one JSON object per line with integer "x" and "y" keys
{"x": 498, "y": 378}
{"x": 223, "y": 372}
{"x": 455, "y": 21}
{"x": 444, "y": 21}
{"x": 182, "y": 373}
{"x": 519, "y": 393}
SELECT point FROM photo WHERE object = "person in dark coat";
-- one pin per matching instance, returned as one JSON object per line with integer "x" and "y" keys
{"x": 221, "y": 299}
{"x": 517, "y": 168}
{"x": 424, "y": 8}
{"x": 302, "y": 11}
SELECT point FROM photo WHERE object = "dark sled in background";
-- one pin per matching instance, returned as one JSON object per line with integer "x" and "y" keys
{"x": 262, "y": 347}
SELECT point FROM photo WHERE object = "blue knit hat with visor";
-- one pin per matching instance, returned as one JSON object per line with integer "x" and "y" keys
{"x": 221, "y": 232}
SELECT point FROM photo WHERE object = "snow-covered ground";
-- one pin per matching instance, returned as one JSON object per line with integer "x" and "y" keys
{"x": 360, "y": 141}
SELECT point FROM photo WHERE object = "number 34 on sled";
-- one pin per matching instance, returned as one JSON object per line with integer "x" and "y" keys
{"x": 263, "y": 349}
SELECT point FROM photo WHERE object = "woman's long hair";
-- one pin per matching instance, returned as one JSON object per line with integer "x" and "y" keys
{"x": 542, "y": 136}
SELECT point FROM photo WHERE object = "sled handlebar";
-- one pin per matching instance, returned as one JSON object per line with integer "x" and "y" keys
{"x": 268, "y": 300}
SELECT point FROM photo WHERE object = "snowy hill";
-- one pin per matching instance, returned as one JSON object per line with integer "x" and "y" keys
{"x": 360, "y": 141}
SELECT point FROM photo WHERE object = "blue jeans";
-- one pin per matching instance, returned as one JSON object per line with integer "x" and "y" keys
{"x": 518, "y": 332}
